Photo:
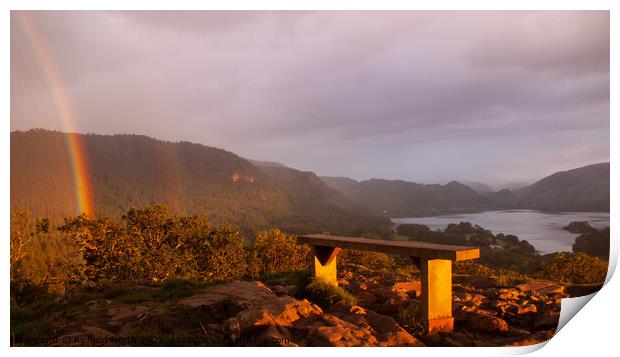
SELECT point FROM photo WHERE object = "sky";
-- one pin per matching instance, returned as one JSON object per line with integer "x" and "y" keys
{"x": 499, "y": 97}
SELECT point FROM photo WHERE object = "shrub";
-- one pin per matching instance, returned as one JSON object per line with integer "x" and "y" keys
{"x": 577, "y": 268}
{"x": 368, "y": 259}
{"x": 275, "y": 251}
{"x": 594, "y": 242}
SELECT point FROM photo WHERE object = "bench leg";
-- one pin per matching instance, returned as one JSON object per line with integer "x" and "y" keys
{"x": 324, "y": 264}
{"x": 437, "y": 294}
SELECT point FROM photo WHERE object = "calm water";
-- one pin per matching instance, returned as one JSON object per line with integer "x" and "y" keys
{"x": 543, "y": 230}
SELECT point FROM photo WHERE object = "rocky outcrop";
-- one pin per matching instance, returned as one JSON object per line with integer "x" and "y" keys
{"x": 242, "y": 313}
{"x": 248, "y": 313}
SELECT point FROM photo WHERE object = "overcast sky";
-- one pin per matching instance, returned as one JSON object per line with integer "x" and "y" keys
{"x": 496, "y": 97}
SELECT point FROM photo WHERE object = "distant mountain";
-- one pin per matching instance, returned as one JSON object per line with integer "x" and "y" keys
{"x": 582, "y": 189}
{"x": 479, "y": 187}
{"x": 503, "y": 198}
{"x": 396, "y": 198}
{"x": 135, "y": 170}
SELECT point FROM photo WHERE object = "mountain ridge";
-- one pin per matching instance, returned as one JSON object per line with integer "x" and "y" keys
{"x": 133, "y": 170}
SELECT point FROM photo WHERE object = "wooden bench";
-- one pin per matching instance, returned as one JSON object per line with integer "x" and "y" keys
{"x": 433, "y": 260}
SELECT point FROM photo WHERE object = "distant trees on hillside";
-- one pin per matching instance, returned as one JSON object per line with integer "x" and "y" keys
{"x": 138, "y": 171}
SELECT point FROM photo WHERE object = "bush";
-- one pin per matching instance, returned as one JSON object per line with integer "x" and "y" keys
{"x": 594, "y": 242}
{"x": 577, "y": 268}
{"x": 368, "y": 259}
{"x": 275, "y": 251}
{"x": 155, "y": 247}
{"x": 102, "y": 245}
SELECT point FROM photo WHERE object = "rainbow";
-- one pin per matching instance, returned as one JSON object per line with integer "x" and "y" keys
{"x": 73, "y": 141}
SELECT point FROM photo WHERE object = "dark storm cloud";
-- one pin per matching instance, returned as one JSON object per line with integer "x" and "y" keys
{"x": 426, "y": 96}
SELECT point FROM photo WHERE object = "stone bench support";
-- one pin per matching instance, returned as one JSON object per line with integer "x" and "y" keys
{"x": 324, "y": 264}
{"x": 433, "y": 260}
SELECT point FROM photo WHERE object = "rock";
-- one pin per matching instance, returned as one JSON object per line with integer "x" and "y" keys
{"x": 357, "y": 310}
{"x": 290, "y": 289}
{"x": 118, "y": 314}
{"x": 97, "y": 332}
{"x": 408, "y": 286}
{"x": 366, "y": 298}
{"x": 527, "y": 309}
{"x": 92, "y": 306}
{"x": 485, "y": 322}
{"x": 338, "y": 333}
{"x": 276, "y": 337}
{"x": 463, "y": 296}
{"x": 279, "y": 290}
{"x": 547, "y": 320}
{"x": 388, "y": 332}
{"x": 509, "y": 294}
{"x": 478, "y": 299}
{"x": 490, "y": 292}
{"x": 541, "y": 287}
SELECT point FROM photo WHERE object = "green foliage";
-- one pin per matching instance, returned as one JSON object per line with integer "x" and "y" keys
{"x": 138, "y": 171}
{"x": 326, "y": 295}
{"x": 148, "y": 246}
{"x": 154, "y": 246}
{"x": 177, "y": 289}
{"x": 410, "y": 318}
{"x": 593, "y": 242}
{"x": 298, "y": 278}
{"x": 577, "y": 268}
{"x": 275, "y": 251}
{"x": 101, "y": 244}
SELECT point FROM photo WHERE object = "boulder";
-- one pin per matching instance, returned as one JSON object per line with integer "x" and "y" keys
{"x": 509, "y": 294}
{"x": 547, "y": 320}
{"x": 408, "y": 286}
{"x": 540, "y": 287}
{"x": 365, "y": 298}
{"x": 484, "y": 321}
{"x": 527, "y": 309}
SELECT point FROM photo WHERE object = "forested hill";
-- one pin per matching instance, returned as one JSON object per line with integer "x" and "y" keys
{"x": 581, "y": 189}
{"x": 134, "y": 170}
{"x": 396, "y": 198}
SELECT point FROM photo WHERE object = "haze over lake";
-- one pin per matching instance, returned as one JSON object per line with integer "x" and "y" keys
{"x": 541, "y": 229}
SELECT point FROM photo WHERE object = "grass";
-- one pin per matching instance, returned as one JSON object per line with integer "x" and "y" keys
{"x": 174, "y": 289}
{"x": 326, "y": 295}
{"x": 399, "y": 237}
{"x": 410, "y": 318}
{"x": 299, "y": 278}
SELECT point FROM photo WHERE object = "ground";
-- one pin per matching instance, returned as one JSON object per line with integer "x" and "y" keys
{"x": 382, "y": 312}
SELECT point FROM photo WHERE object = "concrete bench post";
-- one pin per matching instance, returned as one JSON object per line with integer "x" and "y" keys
{"x": 436, "y": 279}
{"x": 324, "y": 264}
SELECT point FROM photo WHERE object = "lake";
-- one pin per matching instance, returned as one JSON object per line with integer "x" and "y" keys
{"x": 543, "y": 230}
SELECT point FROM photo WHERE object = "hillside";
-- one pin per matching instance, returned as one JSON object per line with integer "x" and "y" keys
{"x": 134, "y": 170}
{"x": 581, "y": 189}
{"x": 479, "y": 187}
{"x": 396, "y": 198}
